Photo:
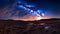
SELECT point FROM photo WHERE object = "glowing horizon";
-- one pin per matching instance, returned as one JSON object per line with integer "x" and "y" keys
{"x": 29, "y": 18}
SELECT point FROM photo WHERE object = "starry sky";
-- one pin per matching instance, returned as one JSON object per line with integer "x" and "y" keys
{"x": 51, "y": 7}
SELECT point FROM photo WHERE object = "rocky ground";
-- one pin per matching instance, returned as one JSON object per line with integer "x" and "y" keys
{"x": 49, "y": 26}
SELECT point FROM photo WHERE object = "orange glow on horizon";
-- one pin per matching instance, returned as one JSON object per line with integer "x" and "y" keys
{"x": 30, "y": 18}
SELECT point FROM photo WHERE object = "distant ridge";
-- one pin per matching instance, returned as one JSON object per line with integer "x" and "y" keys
{"x": 35, "y": 20}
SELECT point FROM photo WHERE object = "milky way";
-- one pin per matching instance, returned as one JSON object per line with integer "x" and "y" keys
{"x": 20, "y": 11}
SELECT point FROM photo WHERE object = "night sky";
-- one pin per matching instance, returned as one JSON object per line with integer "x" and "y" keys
{"x": 51, "y": 7}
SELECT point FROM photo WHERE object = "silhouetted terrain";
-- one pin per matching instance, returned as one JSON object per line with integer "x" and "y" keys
{"x": 44, "y": 26}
